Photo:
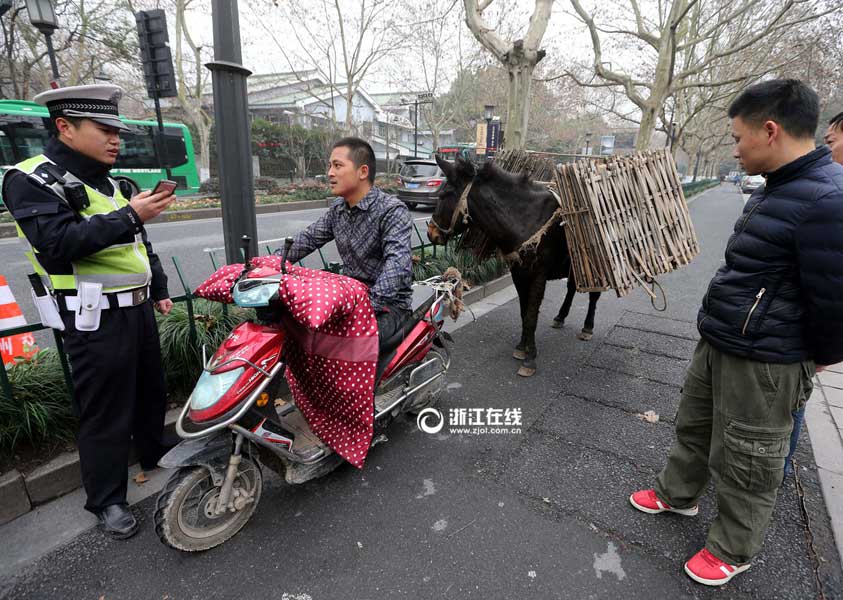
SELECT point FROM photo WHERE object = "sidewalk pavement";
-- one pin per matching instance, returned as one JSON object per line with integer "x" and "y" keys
{"x": 824, "y": 417}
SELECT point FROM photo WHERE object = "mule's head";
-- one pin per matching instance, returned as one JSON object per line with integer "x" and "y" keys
{"x": 442, "y": 224}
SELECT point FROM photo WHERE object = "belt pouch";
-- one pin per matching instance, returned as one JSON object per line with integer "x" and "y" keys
{"x": 88, "y": 314}
{"x": 48, "y": 311}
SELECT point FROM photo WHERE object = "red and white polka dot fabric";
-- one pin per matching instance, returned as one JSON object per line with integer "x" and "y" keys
{"x": 331, "y": 351}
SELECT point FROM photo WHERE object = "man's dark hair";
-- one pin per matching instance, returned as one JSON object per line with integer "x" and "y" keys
{"x": 788, "y": 102}
{"x": 836, "y": 122}
{"x": 361, "y": 153}
{"x": 72, "y": 120}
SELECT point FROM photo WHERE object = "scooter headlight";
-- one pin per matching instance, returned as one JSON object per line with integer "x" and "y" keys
{"x": 254, "y": 296}
{"x": 210, "y": 388}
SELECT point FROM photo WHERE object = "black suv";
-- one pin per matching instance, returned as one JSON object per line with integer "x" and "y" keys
{"x": 419, "y": 182}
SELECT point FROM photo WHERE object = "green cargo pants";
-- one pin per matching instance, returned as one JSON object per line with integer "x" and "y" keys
{"x": 733, "y": 425}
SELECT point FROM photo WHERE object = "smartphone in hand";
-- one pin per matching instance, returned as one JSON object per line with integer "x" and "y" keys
{"x": 165, "y": 185}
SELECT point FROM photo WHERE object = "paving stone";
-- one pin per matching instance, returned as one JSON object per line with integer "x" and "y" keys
{"x": 57, "y": 477}
{"x": 14, "y": 500}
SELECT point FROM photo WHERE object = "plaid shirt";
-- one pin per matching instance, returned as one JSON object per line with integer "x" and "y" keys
{"x": 373, "y": 239}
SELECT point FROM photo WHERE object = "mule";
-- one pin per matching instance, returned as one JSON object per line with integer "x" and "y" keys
{"x": 497, "y": 211}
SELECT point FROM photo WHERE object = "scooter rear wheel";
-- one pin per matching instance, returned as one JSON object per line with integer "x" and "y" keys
{"x": 185, "y": 516}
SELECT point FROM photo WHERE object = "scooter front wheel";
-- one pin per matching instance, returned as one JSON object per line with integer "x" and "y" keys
{"x": 186, "y": 515}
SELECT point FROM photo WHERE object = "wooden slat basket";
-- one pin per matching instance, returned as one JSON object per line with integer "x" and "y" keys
{"x": 626, "y": 220}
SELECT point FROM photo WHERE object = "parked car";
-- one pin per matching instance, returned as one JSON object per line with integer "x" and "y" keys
{"x": 750, "y": 183}
{"x": 419, "y": 182}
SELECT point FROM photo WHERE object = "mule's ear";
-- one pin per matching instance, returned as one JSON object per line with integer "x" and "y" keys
{"x": 445, "y": 165}
{"x": 465, "y": 168}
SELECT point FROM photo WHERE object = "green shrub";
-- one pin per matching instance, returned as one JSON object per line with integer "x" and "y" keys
{"x": 473, "y": 271}
{"x": 182, "y": 360}
{"x": 41, "y": 409}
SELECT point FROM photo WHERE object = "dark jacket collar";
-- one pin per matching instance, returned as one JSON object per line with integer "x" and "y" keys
{"x": 91, "y": 171}
{"x": 794, "y": 169}
{"x": 367, "y": 201}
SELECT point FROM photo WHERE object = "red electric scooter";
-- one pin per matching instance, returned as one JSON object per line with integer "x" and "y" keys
{"x": 240, "y": 416}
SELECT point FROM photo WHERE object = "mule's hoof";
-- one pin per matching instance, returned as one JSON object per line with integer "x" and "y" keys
{"x": 557, "y": 324}
{"x": 519, "y": 354}
{"x": 585, "y": 336}
{"x": 526, "y": 371}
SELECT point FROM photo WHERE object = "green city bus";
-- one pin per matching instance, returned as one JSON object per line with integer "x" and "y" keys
{"x": 25, "y": 128}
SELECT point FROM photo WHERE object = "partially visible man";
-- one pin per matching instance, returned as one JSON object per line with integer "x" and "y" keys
{"x": 372, "y": 232}
{"x": 773, "y": 314}
{"x": 87, "y": 242}
{"x": 834, "y": 140}
{"x": 834, "y": 137}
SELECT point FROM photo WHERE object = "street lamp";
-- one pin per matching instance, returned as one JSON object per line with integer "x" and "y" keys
{"x": 587, "y": 141}
{"x": 43, "y": 17}
{"x": 488, "y": 112}
{"x": 422, "y": 98}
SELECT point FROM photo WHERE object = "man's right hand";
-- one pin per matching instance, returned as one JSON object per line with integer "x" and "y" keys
{"x": 148, "y": 205}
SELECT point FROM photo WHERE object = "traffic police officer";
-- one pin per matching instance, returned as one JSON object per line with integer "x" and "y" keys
{"x": 87, "y": 243}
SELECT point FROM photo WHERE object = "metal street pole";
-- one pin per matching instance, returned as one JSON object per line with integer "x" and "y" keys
{"x": 52, "y": 53}
{"x": 416, "y": 130}
{"x": 234, "y": 139}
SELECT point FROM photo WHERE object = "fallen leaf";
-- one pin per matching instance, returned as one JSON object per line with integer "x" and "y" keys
{"x": 546, "y": 500}
{"x": 649, "y": 416}
{"x": 141, "y": 478}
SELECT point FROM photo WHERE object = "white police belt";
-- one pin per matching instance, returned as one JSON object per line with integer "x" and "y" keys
{"x": 110, "y": 300}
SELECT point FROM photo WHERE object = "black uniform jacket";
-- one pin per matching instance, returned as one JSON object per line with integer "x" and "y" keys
{"x": 59, "y": 233}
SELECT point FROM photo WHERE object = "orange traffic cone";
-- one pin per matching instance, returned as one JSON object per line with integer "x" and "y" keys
{"x": 21, "y": 345}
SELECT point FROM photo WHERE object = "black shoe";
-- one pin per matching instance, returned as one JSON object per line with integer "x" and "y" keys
{"x": 118, "y": 521}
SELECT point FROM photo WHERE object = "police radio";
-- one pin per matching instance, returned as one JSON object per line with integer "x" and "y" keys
{"x": 76, "y": 196}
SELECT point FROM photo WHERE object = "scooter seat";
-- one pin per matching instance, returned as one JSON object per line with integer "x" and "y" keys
{"x": 423, "y": 298}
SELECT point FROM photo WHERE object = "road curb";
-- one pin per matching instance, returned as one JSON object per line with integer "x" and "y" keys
{"x": 7, "y": 230}
{"x": 19, "y": 494}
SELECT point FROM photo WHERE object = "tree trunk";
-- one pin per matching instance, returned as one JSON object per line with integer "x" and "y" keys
{"x": 518, "y": 103}
{"x": 697, "y": 165}
{"x": 204, "y": 130}
{"x": 645, "y": 130}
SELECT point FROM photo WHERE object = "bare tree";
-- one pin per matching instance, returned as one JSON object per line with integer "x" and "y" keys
{"x": 191, "y": 86}
{"x": 435, "y": 43}
{"x": 341, "y": 40}
{"x": 519, "y": 57}
{"x": 683, "y": 41}
{"x": 93, "y": 36}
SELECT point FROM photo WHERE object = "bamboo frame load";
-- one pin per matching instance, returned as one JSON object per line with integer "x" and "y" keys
{"x": 626, "y": 220}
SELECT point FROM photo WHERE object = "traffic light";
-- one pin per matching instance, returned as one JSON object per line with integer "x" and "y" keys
{"x": 155, "y": 53}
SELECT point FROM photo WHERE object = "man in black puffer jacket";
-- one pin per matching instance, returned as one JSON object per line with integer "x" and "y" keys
{"x": 772, "y": 316}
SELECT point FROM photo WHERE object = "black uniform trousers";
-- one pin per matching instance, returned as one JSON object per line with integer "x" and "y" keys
{"x": 119, "y": 394}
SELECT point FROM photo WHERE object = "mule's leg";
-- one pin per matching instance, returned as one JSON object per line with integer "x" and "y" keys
{"x": 559, "y": 319}
{"x": 588, "y": 328}
{"x": 522, "y": 287}
{"x": 531, "y": 320}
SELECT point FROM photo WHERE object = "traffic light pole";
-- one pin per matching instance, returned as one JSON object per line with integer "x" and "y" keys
{"x": 233, "y": 132}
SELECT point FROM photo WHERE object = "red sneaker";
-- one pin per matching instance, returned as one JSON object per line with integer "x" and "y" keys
{"x": 647, "y": 501}
{"x": 707, "y": 569}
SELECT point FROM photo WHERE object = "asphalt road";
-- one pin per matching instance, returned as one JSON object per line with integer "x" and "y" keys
{"x": 538, "y": 514}
{"x": 187, "y": 241}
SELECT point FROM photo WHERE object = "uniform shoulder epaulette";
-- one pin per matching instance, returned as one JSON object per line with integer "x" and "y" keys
{"x": 50, "y": 175}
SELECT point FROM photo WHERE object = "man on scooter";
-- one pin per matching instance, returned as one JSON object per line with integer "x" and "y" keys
{"x": 372, "y": 232}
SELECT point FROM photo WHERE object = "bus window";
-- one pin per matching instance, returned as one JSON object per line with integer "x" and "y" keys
{"x": 137, "y": 148}
{"x": 7, "y": 157}
{"x": 176, "y": 150}
{"x": 29, "y": 141}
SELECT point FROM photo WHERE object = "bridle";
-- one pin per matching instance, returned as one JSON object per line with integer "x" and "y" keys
{"x": 461, "y": 211}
